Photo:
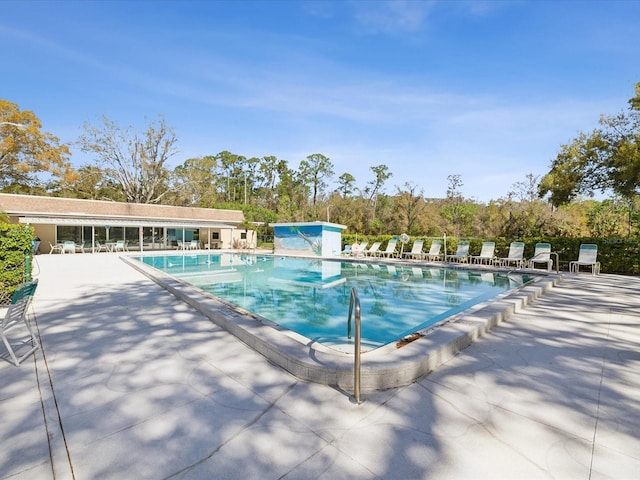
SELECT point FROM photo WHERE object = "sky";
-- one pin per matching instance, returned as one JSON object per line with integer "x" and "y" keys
{"x": 487, "y": 90}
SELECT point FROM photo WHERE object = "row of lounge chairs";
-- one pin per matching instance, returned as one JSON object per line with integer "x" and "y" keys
{"x": 541, "y": 257}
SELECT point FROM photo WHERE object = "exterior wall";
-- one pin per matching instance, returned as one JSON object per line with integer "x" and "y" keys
{"x": 315, "y": 239}
{"x": 47, "y": 236}
{"x": 331, "y": 241}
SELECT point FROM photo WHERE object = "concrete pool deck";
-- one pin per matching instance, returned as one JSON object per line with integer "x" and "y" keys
{"x": 133, "y": 383}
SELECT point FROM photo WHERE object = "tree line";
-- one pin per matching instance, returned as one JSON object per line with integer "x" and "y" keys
{"x": 132, "y": 166}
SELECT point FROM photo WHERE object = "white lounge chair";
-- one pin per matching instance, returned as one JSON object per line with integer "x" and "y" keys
{"x": 515, "y": 256}
{"x": 588, "y": 257}
{"x": 541, "y": 254}
{"x": 434, "y": 251}
{"x": 348, "y": 249}
{"x": 358, "y": 249}
{"x": 461, "y": 255}
{"x": 390, "y": 250}
{"x": 486, "y": 253}
{"x": 16, "y": 317}
{"x": 373, "y": 250}
{"x": 416, "y": 250}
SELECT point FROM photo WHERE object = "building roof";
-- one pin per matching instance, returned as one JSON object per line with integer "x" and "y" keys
{"x": 38, "y": 209}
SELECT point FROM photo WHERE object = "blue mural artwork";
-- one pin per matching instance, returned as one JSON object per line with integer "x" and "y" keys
{"x": 302, "y": 238}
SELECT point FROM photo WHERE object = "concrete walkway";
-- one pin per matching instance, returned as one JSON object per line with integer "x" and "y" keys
{"x": 133, "y": 384}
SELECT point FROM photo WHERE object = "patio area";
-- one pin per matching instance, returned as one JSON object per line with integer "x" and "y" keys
{"x": 133, "y": 383}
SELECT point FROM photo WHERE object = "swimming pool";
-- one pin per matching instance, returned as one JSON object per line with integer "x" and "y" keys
{"x": 311, "y": 296}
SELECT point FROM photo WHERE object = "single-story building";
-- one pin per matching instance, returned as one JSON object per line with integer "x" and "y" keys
{"x": 142, "y": 226}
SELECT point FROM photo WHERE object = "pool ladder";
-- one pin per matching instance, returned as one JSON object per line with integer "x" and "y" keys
{"x": 354, "y": 307}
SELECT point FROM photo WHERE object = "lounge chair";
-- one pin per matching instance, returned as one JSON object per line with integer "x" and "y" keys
{"x": 434, "y": 251}
{"x": 374, "y": 250}
{"x": 416, "y": 250}
{"x": 515, "y": 256}
{"x": 15, "y": 317}
{"x": 541, "y": 254}
{"x": 348, "y": 249}
{"x": 461, "y": 255}
{"x": 586, "y": 257}
{"x": 357, "y": 249}
{"x": 486, "y": 253}
{"x": 390, "y": 251}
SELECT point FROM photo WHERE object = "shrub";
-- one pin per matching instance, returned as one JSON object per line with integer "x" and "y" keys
{"x": 16, "y": 254}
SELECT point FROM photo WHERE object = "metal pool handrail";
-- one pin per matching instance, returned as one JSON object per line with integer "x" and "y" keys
{"x": 354, "y": 305}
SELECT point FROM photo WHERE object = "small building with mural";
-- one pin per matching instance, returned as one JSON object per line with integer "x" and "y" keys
{"x": 321, "y": 239}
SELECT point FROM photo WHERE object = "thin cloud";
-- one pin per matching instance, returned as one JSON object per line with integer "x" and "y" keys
{"x": 391, "y": 17}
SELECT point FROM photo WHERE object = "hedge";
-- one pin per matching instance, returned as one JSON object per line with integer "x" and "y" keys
{"x": 16, "y": 255}
{"x": 616, "y": 255}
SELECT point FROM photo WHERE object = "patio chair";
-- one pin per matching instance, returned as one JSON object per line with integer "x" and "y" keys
{"x": 486, "y": 253}
{"x": 586, "y": 257}
{"x": 16, "y": 317}
{"x": 515, "y": 256}
{"x": 541, "y": 254}
{"x": 69, "y": 247}
{"x": 194, "y": 245}
{"x": 58, "y": 247}
{"x": 416, "y": 250}
{"x": 101, "y": 247}
{"x": 461, "y": 255}
{"x": 434, "y": 251}
{"x": 120, "y": 246}
{"x": 390, "y": 250}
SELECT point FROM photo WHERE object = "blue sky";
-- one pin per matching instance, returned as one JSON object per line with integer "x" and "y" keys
{"x": 487, "y": 90}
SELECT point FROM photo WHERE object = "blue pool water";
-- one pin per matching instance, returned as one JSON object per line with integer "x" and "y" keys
{"x": 311, "y": 296}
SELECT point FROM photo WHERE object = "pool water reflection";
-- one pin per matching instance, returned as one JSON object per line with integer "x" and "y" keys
{"x": 311, "y": 296}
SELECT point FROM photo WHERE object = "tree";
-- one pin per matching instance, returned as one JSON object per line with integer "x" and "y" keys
{"x": 25, "y": 150}
{"x": 374, "y": 188}
{"x": 607, "y": 159}
{"x": 346, "y": 184}
{"x": 314, "y": 171}
{"x": 409, "y": 204}
{"x": 195, "y": 182}
{"x": 90, "y": 184}
{"x": 135, "y": 161}
{"x": 454, "y": 210}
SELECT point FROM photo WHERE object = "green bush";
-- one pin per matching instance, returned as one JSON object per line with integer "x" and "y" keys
{"x": 16, "y": 254}
{"x": 616, "y": 255}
